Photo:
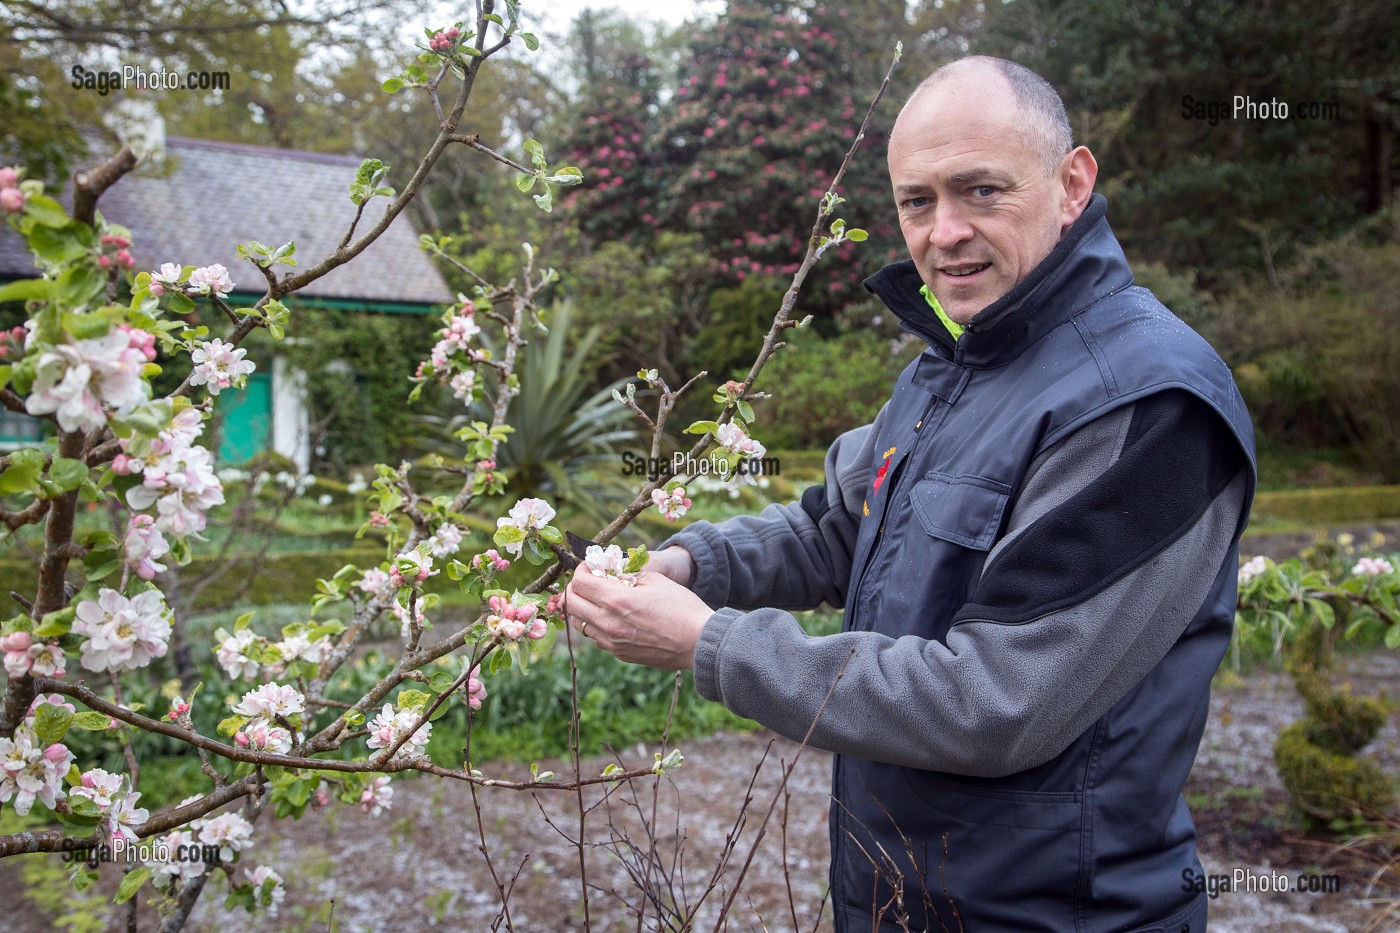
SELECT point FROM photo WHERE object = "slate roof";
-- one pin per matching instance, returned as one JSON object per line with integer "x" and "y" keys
{"x": 214, "y": 195}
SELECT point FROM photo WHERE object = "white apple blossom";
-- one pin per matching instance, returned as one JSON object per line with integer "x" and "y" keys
{"x": 608, "y": 562}
{"x": 513, "y": 619}
{"x": 446, "y": 540}
{"x": 219, "y": 365}
{"x": 1253, "y": 568}
{"x": 124, "y": 816}
{"x": 211, "y": 279}
{"x": 233, "y": 655}
{"x": 733, "y": 439}
{"x": 261, "y": 735}
{"x": 270, "y": 701}
{"x": 463, "y": 385}
{"x": 390, "y": 726}
{"x": 122, "y": 634}
{"x": 229, "y": 831}
{"x": 401, "y": 614}
{"x": 421, "y": 568}
{"x": 177, "y": 843}
{"x": 672, "y": 505}
{"x": 30, "y": 772}
{"x": 167, "y": 276}
{"x": 376, "y": 582}
{"x": 378, "y": 796}
{"x": 262, "y": 875}
{"x": 526, "y": 514}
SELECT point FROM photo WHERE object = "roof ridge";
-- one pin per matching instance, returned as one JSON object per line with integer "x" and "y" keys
{"x": 189, "y": 142}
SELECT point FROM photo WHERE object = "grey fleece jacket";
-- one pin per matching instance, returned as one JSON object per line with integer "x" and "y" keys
{"x": 995, "y": 698}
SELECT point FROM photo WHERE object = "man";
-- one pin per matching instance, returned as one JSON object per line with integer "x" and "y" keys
{"x": 1035, "y": 544}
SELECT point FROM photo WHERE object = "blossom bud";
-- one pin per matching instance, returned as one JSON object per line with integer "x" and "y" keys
{"x": 56, "y": 753}
{"x": 124, "y": 257}
{"x": 9, "y": 178}
{"x": 15, "y": 641}
{"x": 378, "y": 519}
{"x": 240, "y": 739}
{"x": 320, "y": 799}
{"x": 104, "y": 261}
{"x": 453, "y": 33}
{"x": 11, "y": 199}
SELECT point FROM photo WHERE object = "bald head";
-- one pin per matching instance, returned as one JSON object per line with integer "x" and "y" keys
{"x": 1038, "y": 108}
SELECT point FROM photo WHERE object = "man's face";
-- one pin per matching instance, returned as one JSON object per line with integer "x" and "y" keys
{"x": 975, "y": 204}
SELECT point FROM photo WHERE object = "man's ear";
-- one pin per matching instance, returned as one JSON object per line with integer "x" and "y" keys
{"x": 1076, "y": 174}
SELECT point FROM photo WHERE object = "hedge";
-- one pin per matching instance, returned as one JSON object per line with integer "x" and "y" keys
{"x": 1326, "y": 506}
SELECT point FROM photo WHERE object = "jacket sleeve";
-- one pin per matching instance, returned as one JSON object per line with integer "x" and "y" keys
{"x": 1118, "y": 535}
{"x": 793, "y": 556}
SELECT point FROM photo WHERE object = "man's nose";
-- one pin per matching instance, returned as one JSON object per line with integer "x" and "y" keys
{"x": 950, "y": 227}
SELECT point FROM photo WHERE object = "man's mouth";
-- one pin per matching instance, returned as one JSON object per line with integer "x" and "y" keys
{"x": 964, "y": 270}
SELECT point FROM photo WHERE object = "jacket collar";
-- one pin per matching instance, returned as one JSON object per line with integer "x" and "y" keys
{"x": 1086, "y": 265}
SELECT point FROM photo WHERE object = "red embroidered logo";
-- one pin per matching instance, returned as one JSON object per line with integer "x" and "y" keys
{"x": 884, "y": 468}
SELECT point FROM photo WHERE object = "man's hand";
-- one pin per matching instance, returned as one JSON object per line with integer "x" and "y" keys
{"x": 674, "y": 563}
{"x": 657, "y": 622}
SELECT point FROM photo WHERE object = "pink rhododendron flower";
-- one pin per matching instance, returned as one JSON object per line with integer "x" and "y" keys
{"x": 390, "y": 726}
{"x": 211, "y": 280}
{"x": 122, "y": 634}
{"x": 233, "y": 655}
{"x": 378, "y": 796}
{"x": 220, "y": 365}
{"x": 270, "y": 701}
{"x": 145, "y": 546}
{"x": 30, "y": 772}
{"x": 1371, "y": 567}
{"x": 673, "y": 504}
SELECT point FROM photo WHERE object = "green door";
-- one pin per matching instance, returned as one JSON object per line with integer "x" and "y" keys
{"x": 247, "y": 420}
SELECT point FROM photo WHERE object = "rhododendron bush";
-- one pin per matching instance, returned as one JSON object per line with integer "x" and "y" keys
{"x": 98, "y": 330}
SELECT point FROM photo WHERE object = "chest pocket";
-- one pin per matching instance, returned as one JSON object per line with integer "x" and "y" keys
{"x": 964, "y": 510}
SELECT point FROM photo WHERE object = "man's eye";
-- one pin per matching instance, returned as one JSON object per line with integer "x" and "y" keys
{"x": 984, "y": 191}
{"x": 915, "y": 203}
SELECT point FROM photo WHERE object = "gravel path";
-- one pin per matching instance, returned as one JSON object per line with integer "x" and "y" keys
{"x": 419, "y": 864}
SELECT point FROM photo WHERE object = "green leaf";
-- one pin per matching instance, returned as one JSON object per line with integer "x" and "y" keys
{"x": 531, "y": 43}
{"x": 353, "y": 717}
{"x": 857, "y": 235}
{"x": 90, "y": 721}
{"x": 131, "y": 884}
{"x": 46, "y": 211}
{"x": 392, "y": 86}
{"x": 242, "y": 621}
{"x": 525, "y": 182}
{"x": 84, "y": 806}
{"x": 412, "y": 699}
{"x": 80, "y": 284}
{"x": 508, "y": 534}
{"x": 51, "y": 723}
{"x": 703, "y": 427}
{"x": 227, "y": 727}
{"x": 441, "y": 681}
{"x": 28, "y": 289}
{"x": 545, "y": 202}
{"x": 745, "y": 411}
{"x": 1392, "y": 637}
{"x": 23, "y": 472}
{"x": 551, "y": 534}
{"x": 68, "y": 474}
{"x": 56, "y": 624}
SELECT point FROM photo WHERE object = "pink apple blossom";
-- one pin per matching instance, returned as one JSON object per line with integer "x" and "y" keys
{"x": 73, "y": 380}
{"x": 46, "y": 660}
{"x": 262, "y": 736}
{"x": 492, "y": 558}
{"x": 167, "y": 276}
{"x": 219, "y": 365}
{"x": 377, "y": 796}
{"x": 124, "y": 816}
{"x": 673, "y": 505}
{"x": 476, "y": 690}
{"x": 183, "y": 486}
{"x": 390, "y": 726}
{"x": 400, "y": 614}
{"x": 11, "y": 200}
{"x": 1371, "y": 567}
{"x": 446, "y": 540}
{"x": 122, "y": 634}
{"x": 464, "y": 385}
{"x": 608, "y": 562}
{"x": 9, "y": 177}
{"x": 99, "y": 786}
{"x": 515, "y": 618}
{"x": 231, "y": 832}
{"x": 376, "y": 583}
{"x": 211, "y": 280}
{"x": 270, "y": 701}
{"x": 527, "y": 515}
{"x": 419, "y": 567}
{"x": 164, "y": 873}
{"x": 145, "y": 546}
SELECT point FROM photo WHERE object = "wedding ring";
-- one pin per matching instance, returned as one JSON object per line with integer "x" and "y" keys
{"x": 583, "y": 629}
